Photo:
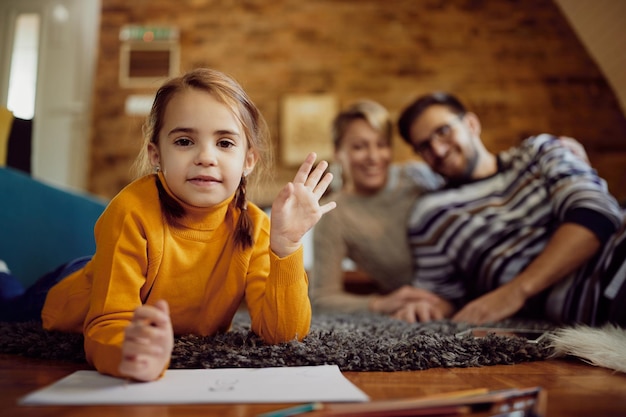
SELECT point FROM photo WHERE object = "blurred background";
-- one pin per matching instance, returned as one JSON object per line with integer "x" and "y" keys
{"x": 78, "y": 76}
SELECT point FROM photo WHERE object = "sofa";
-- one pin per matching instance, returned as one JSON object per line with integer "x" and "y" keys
{"x": 43, "y": 226}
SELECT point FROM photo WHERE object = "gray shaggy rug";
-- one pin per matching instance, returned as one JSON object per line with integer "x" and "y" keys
{"x": 352, "y": 342}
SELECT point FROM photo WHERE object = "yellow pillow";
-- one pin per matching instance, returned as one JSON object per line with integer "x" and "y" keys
{"x": 6, "y": 121}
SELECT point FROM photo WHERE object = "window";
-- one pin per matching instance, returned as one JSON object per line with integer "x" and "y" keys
{"x": 23, "y": 75}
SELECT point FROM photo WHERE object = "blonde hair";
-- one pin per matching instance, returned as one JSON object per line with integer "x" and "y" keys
{"x": 372, "y": 112}
{"x": 227, "y": 91}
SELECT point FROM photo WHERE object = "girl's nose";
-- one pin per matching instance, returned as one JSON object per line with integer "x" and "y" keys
{"x": 206, "y": 155}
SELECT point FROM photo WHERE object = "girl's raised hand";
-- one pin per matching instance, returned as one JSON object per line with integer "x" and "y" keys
{"x": 296, "y": 209}
{"x": 148, "y": 343}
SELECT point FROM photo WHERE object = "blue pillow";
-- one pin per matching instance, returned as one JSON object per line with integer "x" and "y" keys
{"x": 42, "y": 226}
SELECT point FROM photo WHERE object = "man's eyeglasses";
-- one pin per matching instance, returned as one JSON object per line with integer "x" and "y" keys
{"x": 443, "y": 134}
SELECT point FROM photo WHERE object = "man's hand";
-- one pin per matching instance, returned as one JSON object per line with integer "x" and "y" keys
{"x": 148, "y": 343}
{"x": 569, "y": 248}
{"x": 496, "y": 305}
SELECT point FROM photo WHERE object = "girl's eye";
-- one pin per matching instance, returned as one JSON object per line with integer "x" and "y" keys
{"x": 225, "y": 143}
{"x": 183, "y": 142}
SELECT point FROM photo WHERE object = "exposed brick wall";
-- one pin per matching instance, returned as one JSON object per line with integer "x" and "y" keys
{"x": 517, "y": 64}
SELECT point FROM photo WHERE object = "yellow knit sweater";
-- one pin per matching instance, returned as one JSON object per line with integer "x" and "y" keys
{"x": 194, "y": 265}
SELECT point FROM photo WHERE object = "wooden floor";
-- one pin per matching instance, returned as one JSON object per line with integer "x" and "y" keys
{"x": 574, "y": 389}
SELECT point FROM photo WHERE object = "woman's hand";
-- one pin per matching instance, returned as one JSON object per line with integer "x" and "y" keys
{"x": 390, "y": 303}
{"x": 424, "y": 310}
{"x": 296, "y": 209}
{"x": 148, "y": 343}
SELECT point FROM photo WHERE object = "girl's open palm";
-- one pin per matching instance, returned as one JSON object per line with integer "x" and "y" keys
{"x": 296, "y": 209}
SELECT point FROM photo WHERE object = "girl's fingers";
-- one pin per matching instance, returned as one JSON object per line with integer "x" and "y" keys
{"x": 147, "y": 342}
{"x": 328, "y": 207}
{"x": 315, "y": 176}
{"x": 305, "y": 169}
{"x": 135, "y": 348}
{"x": 314, "y": 180}
{"x": 155, "y": 316}
{"x": 141, "y": 332}
{"x": 135, "y": 367}
{"x": 163, "y": 306}
{"x": 322, "y": 186}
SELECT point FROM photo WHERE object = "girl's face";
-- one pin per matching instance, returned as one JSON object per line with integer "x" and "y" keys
{"x": 364, "y": 155}
{"x": 202, "y": 150}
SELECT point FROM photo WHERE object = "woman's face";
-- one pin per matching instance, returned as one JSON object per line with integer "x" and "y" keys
{"x": 364, "y": 155}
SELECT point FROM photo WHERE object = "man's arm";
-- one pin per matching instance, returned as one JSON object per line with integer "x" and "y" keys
{"x": 569, "y": 248}
{"x": 589, "y": 215}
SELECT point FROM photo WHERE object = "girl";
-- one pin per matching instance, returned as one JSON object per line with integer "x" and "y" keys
{"x": 178, "y": 250}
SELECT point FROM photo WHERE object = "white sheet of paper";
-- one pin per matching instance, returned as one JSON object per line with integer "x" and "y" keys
{"x": 323, "y": 383}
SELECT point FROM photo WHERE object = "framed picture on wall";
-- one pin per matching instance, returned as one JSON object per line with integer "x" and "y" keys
{"x": 148, "y": 55}
{"x": 305, "y": 126}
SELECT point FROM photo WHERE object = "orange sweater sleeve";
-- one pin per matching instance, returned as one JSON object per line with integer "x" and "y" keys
{"x": 121, "y": 275}
{"x": 277, "y": 298}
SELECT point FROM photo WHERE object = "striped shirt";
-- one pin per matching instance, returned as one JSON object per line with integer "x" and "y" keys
{"x": 471, "y": 239}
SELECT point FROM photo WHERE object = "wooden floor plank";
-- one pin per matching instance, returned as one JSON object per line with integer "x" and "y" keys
{"x": 574, "y": 389}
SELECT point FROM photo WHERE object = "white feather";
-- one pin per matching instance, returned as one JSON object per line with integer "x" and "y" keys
{"x": 603, "y": 346}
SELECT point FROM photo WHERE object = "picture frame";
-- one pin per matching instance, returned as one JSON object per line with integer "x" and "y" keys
{"x": 305, "y": 126}
{"x": 148, "y": 55}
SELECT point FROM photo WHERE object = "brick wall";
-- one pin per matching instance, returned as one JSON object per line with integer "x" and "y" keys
{"x": 517, "y": 64}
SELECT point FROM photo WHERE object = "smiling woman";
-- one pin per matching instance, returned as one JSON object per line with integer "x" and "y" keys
{"x": 369, "y": 224}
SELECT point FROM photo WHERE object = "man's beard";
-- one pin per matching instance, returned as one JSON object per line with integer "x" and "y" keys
{"x": 470, "y": 167}
{"x": 471, "y": 162}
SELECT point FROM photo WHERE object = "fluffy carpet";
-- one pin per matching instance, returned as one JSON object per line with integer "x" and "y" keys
{"x": 352, "y": 342}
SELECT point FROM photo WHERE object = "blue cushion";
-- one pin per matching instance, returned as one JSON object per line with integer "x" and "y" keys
{"x": 42, "y": 226}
